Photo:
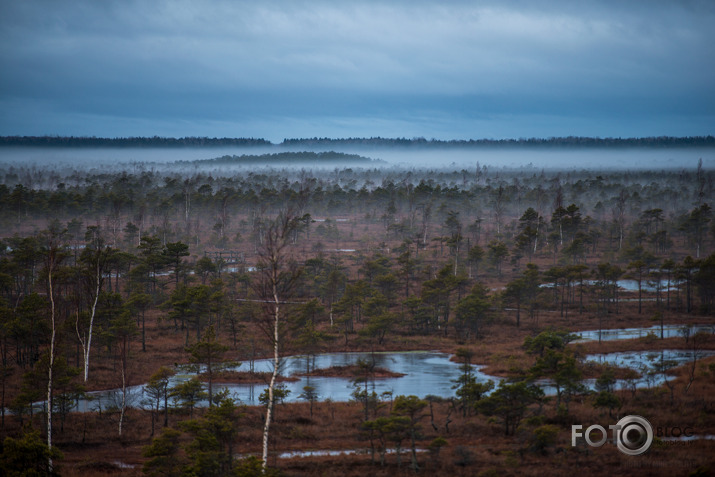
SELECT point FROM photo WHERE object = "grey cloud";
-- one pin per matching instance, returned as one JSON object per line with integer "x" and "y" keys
{"x": 340, "y": 59}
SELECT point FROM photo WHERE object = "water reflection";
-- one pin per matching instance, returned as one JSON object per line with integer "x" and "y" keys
{"x": 333, "y": 453}
{"x": 425, "y": 372}
{"x": 631, "y": 285}
{"x": 669, "y": 331}
{"x": 651, "y": 365}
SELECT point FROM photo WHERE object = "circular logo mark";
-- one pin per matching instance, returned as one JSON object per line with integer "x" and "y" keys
{"x": 634, "y": 435}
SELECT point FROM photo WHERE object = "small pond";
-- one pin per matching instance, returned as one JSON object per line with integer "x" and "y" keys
{"x": 629, "y": 285}
{"x": 669, "y": 331}
{"x": 425, "y": 372}
{"x": 650, "y": 365}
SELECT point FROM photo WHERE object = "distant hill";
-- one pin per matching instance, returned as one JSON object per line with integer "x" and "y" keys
{"x": 284, "y": 158}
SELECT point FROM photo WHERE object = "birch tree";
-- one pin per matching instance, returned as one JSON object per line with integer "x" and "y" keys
{"x": 94, "y": 259}
{"x": 123, "y": 328}
{"x": 53, "y": 255}
{"x": 278, "y": 275}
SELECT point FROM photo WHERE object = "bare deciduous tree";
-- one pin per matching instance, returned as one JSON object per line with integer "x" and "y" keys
{"x": 278, "y": 275}
{"x": 94, "y": 258}
{"x": 53, "y": 255}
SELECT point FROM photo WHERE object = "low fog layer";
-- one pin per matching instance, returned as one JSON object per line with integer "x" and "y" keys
{"x": 539, "y": 158}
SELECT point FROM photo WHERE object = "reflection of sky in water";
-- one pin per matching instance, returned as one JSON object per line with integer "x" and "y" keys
{"x": 648, "y": 285}
{"x": 647, "y": 361}
{"x": 669, "y": 331}
{"x": 632, "y": 285}
{"x": 649, "y": 364}
{"x": 426, "y": 372}
{"x": 321, "y": 453}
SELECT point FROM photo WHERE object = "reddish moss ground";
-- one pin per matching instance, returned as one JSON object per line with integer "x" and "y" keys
{"x": 476, "y": 444}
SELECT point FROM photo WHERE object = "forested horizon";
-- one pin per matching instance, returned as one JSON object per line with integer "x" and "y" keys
{"x": 194, "y": 141}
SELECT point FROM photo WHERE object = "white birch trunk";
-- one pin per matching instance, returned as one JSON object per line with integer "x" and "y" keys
{"x": 52, "y": 362}
{"x": 276, "y": 357}
{"x": 124, "y": 392}
{"x": 87, "y": 343}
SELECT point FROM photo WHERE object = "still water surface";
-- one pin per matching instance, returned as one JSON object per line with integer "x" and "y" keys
{"x": 425, "y": 372}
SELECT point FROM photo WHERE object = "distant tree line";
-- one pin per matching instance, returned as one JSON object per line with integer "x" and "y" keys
{"x": 570, "y": 141}
{"x": 156, "y": 141}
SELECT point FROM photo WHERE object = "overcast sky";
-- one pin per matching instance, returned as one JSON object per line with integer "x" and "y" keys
{"x": 286, "y": 69}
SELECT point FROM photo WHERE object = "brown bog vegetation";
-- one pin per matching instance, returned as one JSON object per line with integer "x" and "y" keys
{"x": 120, "y": 277}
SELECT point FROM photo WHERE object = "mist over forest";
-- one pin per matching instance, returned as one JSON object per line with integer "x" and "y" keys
{"x": 165, "y": 299}
{"x": 659, "y": 172}
{"x": 554, "y": 153}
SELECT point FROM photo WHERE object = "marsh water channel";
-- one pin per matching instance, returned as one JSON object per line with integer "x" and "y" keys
{"x": 424, "y": 372}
